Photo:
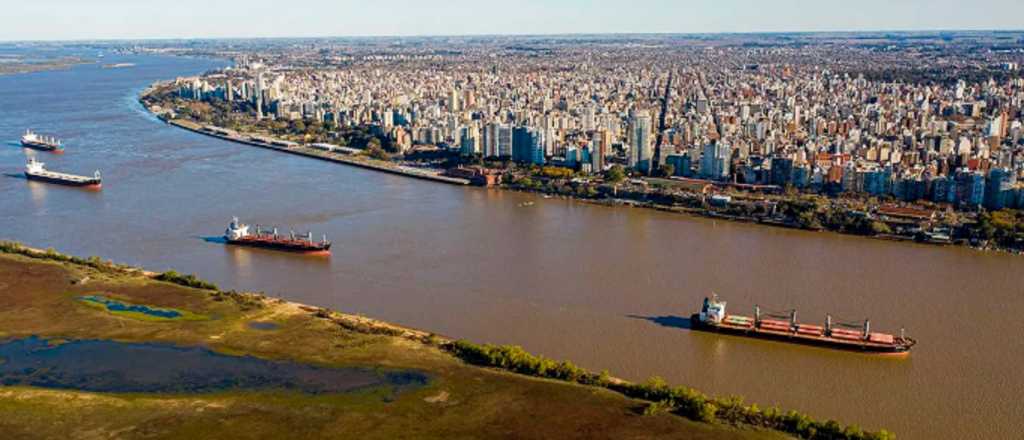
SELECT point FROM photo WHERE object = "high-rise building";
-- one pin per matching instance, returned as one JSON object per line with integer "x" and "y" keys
{"x": 642, "y": 153}
{"x": 468, "y": 142}
{"x": 490, "y": 140}
{"x": 453, "y": 101}
{"x": 782, "y": 171}
{"x": 528, "y": 145}
{"x": 680, "y": 163}
{"x": 970, "y": 188}
{"x": 504, "y": 139}
{"x": 522, "y": 140}
{"x": 571, "y": 156}
{"x": 999, "y": 189}
{"x": 597, "y": 154}
{"x": 260, "y": 86}
{"x": 716, "y": 161}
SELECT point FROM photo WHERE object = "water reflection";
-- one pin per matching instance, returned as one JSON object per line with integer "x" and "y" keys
{"x": 38, "y": 191}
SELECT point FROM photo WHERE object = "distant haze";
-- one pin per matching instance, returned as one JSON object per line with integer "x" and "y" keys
{"x": 138, "y": 19}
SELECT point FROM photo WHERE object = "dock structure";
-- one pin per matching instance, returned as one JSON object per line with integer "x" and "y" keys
{"x": 337, "y": 155}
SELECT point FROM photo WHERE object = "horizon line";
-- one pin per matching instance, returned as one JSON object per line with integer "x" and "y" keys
{"x": 566, "y": 34}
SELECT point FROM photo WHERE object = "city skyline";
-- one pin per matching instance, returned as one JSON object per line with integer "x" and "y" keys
{"x": 71, "y": 20}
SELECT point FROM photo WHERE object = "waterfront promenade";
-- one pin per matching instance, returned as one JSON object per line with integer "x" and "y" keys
{"x": 330, "y": 156}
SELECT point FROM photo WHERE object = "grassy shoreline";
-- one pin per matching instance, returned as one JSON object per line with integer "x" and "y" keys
{"x": 656, "y": 396}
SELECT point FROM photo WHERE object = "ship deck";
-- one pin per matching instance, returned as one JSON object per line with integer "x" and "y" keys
{"x": 814, "y": 335}
{"x": 62, "y": 176}
{"x": 41, "y": 145}
{"x": 281, "y": 241}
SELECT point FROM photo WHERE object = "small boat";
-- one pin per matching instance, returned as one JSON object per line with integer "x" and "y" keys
{"x": 37, "y": 171}
{"x": 712, "y": 317}
{"x": 42, "y": 143}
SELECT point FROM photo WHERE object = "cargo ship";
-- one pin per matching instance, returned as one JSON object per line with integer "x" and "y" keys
{"x": 240, "y": 234}
{"x": 843, "y": 336}
{"x": 42, "y": 143}
{"x": 36, "y": 170}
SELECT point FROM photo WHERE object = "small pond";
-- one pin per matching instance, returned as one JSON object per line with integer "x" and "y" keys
{"x": 115, "y": 306}
{"x": 262, "y": 325}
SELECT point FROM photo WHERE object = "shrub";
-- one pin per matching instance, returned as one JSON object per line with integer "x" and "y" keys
{"x": 51, "y": 254}
{"x": 186, "y": 280}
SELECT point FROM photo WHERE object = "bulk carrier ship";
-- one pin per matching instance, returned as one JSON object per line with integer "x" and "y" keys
{"x": 42, "y": 143}
{"x": 712, "y": 317}
{"x": 239, "y": 234}
{"x": 37, "y": 171}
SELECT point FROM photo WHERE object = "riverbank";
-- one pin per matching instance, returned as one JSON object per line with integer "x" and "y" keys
{"x": 42, "y": 295}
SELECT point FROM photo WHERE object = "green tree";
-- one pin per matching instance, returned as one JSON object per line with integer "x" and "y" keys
{"x": 615, "y": 174}
{"x": 376, "y": 152}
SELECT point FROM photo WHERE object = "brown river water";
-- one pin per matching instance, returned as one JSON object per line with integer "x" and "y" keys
{"x": 608, "y": 288}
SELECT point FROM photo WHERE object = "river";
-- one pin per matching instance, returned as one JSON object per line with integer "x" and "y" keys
{"x": 609, "y": 288}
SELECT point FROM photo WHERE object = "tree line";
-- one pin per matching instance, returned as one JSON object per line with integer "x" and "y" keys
{"x": 681, "y": 401}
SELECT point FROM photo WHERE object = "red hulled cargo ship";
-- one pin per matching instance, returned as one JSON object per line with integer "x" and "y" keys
{"x": 239, "y": 234}
{"x": 712, "y": 317}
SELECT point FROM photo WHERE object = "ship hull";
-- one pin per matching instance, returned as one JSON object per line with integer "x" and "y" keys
{"x": 87, "y": 183}
{"x": 42, "y": 147}
{"x": 284, "y": 245}
{"x": 795, "y": 338}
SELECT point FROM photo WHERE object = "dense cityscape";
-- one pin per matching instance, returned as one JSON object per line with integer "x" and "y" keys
{"x": 922, "y": 123}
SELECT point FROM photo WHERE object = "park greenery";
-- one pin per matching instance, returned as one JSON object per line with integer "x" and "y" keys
{"x": 682, "y": 401}
{"x": 615, "y": 174}
{"x": 240, "y": 116}
{"x": 1005, "y": 227}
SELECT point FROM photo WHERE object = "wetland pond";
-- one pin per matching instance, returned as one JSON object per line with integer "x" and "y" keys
{"x": 118, "y": 367}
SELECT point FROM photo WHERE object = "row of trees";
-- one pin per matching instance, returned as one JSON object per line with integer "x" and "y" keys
{"x": 94, "y": 262}
{"x": 681, "y": 401}
{"x": 810, "y": 212}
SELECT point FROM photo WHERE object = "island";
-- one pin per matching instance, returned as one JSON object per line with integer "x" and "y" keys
{"x": 16, "y": 65}
{"x": 90, "y": 348}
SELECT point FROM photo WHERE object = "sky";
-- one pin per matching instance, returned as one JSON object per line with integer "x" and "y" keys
{"x": 138, "y": 19}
